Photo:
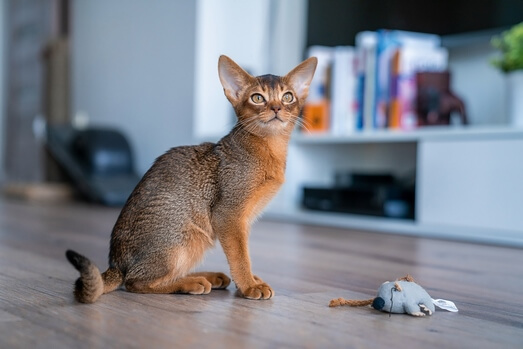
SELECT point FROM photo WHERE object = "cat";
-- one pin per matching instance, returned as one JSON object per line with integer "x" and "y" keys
{"x": 195, "y": 195}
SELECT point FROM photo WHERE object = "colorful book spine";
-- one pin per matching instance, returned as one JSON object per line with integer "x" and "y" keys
{"x": 386, "y": 45}
{"x": 366, "y": 68}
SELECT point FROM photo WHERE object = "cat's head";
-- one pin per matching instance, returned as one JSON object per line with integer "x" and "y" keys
{"x": 268, "y": 104}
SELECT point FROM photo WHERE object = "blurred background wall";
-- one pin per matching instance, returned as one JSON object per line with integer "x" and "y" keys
{"x": 133, "y": 67}
{"x": 266, "y": 36}
{"x": 481, "y": 87}
{"x": 2, "y": 85}
{"x": 149, "y": 69}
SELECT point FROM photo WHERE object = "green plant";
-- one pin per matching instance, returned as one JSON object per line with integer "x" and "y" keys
{"x": 510, "y": 43}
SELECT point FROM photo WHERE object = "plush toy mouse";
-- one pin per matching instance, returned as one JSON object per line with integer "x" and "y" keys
{"x": 400, "y": 296}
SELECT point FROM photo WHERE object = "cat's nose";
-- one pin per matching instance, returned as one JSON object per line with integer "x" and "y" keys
{"x": 276, "y": 108}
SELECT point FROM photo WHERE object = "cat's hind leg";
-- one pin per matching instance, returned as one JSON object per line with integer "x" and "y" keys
{"x": 194, "y": 283}
{"x": 218, "y": 280}
{"x": 188, "y": 284}
{"x": 175, "y": 279}
{"x": 168, "y": 271}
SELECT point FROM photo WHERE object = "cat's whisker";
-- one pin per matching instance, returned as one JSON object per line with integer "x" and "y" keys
{"x": 250, "y": 124}
{"x": 301, "y": 123}
{"x": 305, "y": 124}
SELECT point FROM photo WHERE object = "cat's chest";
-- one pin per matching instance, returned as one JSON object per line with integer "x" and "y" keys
{"x": 263, "y": 175}
{"x": 268, "y": 171}
{"x": 253, "y": 193}
{"x": 273, "y": 176}
{"x": 254, "y": 176}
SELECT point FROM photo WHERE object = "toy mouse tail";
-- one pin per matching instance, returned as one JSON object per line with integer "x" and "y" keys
{"x": 350, "y": 302}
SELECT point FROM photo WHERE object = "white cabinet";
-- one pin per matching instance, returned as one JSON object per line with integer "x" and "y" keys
{"x": 469, "y": 181}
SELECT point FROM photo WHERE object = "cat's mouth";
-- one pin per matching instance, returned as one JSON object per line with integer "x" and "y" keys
{"x": 275, "y": 118}
{"x": 273, "y": 123}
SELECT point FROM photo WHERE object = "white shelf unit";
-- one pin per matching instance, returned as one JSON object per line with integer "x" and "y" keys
{"x": 469, "y": 180}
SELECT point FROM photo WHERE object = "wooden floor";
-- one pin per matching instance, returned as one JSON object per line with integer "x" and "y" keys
{"x": 306, "y": 266}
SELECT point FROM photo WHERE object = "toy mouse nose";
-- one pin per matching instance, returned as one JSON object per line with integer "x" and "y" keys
{"x": 378, "y": 303}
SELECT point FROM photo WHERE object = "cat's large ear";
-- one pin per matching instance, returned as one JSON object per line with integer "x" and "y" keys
{"x": 300, "y": 77}
{"x": 232, "y": 77}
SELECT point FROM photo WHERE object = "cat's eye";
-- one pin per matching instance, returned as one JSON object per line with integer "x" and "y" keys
{"x": 257, "y": 98}
{"x": 287, "y": 97}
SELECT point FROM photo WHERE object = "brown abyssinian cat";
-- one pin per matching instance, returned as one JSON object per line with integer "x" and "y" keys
{"x": 193, "y": 195}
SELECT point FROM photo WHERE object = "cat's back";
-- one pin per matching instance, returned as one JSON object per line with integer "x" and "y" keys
{"x": 181, "y": 182}
{"x": 177, "y": 192}
{"x": 182, "y": 171}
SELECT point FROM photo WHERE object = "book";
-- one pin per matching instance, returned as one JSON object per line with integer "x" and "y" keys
{"x": 343, "y": 91}
{"x": 317, "y": 107}
{"x": 387, "y": 43}
{"x": 365, "y": 76}
{"x": 406, "y": 62}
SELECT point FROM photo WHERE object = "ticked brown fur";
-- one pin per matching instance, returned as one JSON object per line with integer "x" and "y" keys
{"x": 195, "y": 195}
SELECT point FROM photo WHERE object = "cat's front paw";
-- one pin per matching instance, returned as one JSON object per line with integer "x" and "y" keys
{"x": 258, "y": 291}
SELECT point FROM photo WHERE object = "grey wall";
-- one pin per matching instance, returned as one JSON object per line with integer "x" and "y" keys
{"x": 3, "y": 83}
{"x": 133, "y": 68}
{"x": 481, "y": 86}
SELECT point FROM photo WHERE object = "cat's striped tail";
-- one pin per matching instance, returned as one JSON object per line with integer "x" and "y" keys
{"x": 92, "y": 284}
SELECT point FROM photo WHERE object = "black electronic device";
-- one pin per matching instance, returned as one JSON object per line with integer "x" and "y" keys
{"x": 367, "y": 194}
{"x": 98, "y": 161}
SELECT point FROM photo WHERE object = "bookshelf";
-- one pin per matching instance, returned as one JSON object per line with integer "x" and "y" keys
{"x": 467, "y": 180}
{"x": 427, "y": 133}
{"x": 453, "y": 165}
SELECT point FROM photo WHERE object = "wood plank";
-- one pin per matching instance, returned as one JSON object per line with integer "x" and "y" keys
{"x": 306, "y": 266}
{"x": 40, "y": 192}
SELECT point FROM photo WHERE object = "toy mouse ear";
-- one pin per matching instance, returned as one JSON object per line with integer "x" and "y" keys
{"x": 408, "y": 278}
